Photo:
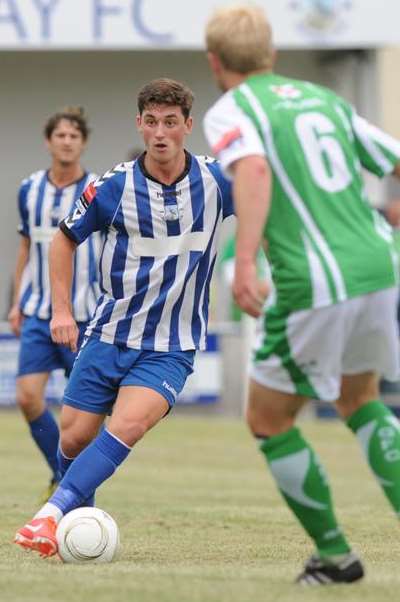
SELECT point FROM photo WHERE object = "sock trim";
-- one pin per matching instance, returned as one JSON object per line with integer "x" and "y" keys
{"x": 118, "y": 439}
{"x": 367, "y": 412}
{"x": 272, "y": 443}
{"x": 60, "y": 449}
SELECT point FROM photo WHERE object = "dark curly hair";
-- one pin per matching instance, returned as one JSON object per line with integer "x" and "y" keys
{"x": 165, "y": 91}
{"x": 76, "y": 115}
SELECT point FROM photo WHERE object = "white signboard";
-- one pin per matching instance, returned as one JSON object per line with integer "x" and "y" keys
{"x": 173, "y": 24}
{"x": 202, "y": 387}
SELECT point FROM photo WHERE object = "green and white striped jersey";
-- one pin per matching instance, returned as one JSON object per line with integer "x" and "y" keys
{"x": 325, "y": 242}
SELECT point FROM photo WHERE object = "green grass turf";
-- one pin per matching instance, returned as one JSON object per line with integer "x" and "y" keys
{"x": 200, "y": 521}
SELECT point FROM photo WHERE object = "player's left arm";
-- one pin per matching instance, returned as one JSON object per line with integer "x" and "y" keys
{"x": 378, "y": 152}
{"x": 396, "y": 170}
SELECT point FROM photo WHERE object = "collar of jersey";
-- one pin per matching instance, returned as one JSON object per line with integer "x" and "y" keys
{"x": 188, "y": 164}
{"x": 70, "y": 184}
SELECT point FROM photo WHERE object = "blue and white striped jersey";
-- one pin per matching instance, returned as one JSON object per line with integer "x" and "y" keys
{"x": 41, "y": 206}
{"x": 159, "y": 253}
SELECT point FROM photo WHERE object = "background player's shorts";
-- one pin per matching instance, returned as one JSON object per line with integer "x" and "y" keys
{"x": 102, "y": 368}
{"x": 38, "y": 353}
{"x": 307, "y": 352}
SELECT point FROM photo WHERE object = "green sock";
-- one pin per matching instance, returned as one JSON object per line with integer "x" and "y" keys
{"x": 304, "y": 486}
{"x": 378, "y": 430}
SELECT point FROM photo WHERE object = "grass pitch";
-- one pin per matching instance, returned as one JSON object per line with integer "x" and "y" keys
{"x": 200, "y": 521}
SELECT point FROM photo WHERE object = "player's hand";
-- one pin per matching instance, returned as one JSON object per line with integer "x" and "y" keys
{"x": 15, "y": 319}
{"x": 392, "y": 213}
{"x": 64, "y": 331}
{"x": 248, "y": 292}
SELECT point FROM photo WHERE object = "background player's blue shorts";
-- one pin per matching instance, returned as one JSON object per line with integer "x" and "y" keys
{"x": 38, "y": 353}
{"x": 102, "y": 368}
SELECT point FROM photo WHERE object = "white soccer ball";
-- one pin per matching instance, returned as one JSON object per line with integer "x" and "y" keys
{"x": 87, "y": 535}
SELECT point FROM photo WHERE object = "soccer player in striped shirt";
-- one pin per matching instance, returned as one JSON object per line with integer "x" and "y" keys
{"x": 295, "y": 152}
{"x": 44, "y": 198}
{"x": 161, "y": 216}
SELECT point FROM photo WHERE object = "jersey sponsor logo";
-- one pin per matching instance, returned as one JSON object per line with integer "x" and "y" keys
{"x": 227, "y": 139}
{"x": 298, "y": 105}
{"x": 169, "y": 194}
{"x": 286, "y": 91}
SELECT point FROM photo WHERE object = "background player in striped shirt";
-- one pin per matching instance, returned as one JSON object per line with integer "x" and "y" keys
{"x": 44, "y": 198}
{"x": 295, "y": 152}
{"x": 161, "y": 217}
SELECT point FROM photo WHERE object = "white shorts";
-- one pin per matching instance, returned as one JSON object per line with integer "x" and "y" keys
{"x": 307, "y": 352}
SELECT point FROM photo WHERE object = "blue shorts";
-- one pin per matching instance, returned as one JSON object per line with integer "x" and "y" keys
{"x": 38, "y": 353}
{"x": 102, "y": 368}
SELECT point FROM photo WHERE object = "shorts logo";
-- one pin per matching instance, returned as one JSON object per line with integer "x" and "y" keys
{"x": 170, "y": 388}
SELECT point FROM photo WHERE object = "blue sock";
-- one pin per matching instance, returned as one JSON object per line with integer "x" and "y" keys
{"x": 64, "y": 463}
{"x": 96, "y": 463}
{"x": 45, "y": 433}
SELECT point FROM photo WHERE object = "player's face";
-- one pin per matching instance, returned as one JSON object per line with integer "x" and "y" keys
{"x": 164, "y": 130}
{"x": 66, "y": 143}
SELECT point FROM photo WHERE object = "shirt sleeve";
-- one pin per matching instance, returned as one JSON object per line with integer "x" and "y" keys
{"x": 225, "y": 188}
{"x": 230, "y": 133}
{"x": 93, "y": 211}
{"x": 23, "y": 225}
{"x": 378, "y": 152}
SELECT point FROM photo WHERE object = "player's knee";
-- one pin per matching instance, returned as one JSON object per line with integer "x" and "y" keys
{"x": 355, "y": 392}
{"x": 73, "y": 442}
{"x": 267, "y": 422}
{"x": 129, "y": 431}
{"x": 28, "y": 401}
{"x": 252, "y": 420}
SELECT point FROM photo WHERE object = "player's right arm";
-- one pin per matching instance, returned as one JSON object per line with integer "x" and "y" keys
{"x": 63, "y": 328}
{"x": 92, "y": 212}
{"x": 15, "y": 316}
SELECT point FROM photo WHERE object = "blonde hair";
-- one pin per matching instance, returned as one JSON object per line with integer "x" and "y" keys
{"x": 241, "y": 37}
